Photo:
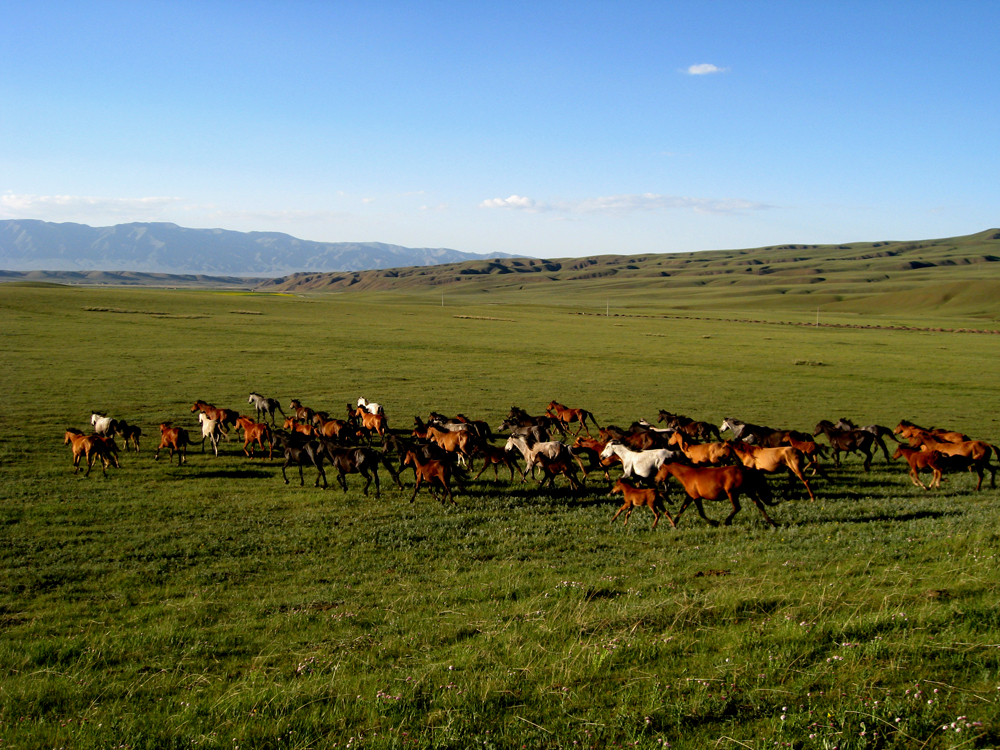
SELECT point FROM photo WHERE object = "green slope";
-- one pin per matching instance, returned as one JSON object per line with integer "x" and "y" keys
{"x": 958, "y": 276}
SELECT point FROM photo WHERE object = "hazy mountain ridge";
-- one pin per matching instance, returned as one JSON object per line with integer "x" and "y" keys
{"x": 31, "y": 245}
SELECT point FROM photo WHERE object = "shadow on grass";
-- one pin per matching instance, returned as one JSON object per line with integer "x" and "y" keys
{"x": 235, "y": 474}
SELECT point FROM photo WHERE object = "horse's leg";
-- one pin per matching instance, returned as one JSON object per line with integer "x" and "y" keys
{"x": 915, "y": 479}
{"x": 734, "y": 498}
{"x": 416, "y": 486}
{"x": 287, "y": 462}
{"x": 701, "y": 512}
{"x": 868, "y": 456}
{"x": 800, "y": 475}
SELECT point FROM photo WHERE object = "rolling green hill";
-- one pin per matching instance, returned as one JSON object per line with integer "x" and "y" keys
{"x": 952, "y": 277}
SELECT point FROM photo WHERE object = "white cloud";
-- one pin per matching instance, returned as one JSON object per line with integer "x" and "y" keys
{"x": 518, "y": 202}
{"x": 64, "y": 207}
{"x": 704, "y": 69}
{"x": 438, "y": 207}
{"x": 367, "y": 200}
{"x": 618, "y": 205}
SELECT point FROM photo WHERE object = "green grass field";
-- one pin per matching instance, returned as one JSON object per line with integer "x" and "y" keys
{"x": 212, "y": 605}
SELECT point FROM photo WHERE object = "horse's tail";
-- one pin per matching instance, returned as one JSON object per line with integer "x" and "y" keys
{"x": 592, "y": 418}
{"x": 760, "y": 488}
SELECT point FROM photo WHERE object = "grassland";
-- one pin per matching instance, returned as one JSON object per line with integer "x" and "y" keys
{"x": 211, "y": 605}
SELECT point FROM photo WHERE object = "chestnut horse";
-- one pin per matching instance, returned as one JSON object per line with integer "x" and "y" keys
{"x": 373, "y": 423}
{"x": 565, "y": 415}
{"x": 91, "y": 447}
{"x": 716, "y": 482}
{"x": 636, "y": 498}
{"x": 174, "y": 439}
{"x": 976, "y": 452}
{"x": 920, "y": 460}
{"x": 435, "y": 473}
{"x": 706, "y": 453}
{"x": 909, "y": 430}
{"x": 255, "y": 432}
{"x": 222, "y": 416}
{"x": 772, "y": 460}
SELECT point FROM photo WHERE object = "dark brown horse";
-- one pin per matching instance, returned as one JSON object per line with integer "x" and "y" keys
{"x": 434, "y": 473}
{"x": 849, "y": 441}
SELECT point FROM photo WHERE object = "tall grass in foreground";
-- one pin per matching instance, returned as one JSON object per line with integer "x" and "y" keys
{"x": 210, "y": 605}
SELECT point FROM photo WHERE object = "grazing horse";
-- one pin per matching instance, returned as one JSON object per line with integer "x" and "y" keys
{"x": 849, "y": 441}
{"x": 211, "y": 429}
{"x": 716, "y": 482}
{"x": 129, "y": 432}
{"x": 174, "y": 439}
{"x": 636, "y": 498}
{"x": 370, "y": 406}
{"x": 437, "y": 473}
{"x": 772, "y": 460}
{"x": 91, "y": 447}
{"x": 103, "y": 425}
{"x": 265, "y": 406}
{"x": 552, "y": 449}
{"x": 976, "y": 452}
{"x": 920, "y": 460}
{"x": 707, "y": 453}
{"x": 565, "y": 416}
{"x": 256, "y": 432}
{"x": 638, "y": 463}
{"x": 301, "y": 453}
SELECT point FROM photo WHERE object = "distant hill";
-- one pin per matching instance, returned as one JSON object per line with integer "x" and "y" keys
{"x": 29, "y": 245}
{"x": 952, "y": 276}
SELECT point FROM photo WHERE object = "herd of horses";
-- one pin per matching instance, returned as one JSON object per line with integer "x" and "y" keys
{"x": 442, "y": 451}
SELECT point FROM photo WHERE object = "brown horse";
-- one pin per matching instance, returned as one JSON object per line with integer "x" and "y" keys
{"x": 129, "y": 432}
{"x": 333, "y": 428}
{"x": 909, "y": 431}
{"x": 772, "y": 460}
{"x": 849, "y": 441}
{"x": 435, "y": 473}
{"x": 255, "y": 432}
{"x": 302, "y": 413}
{"x": 919, "y": 461}
{"x": 495, "y": 456}
{"x": 223, "y": 416}
{"x": 565, "y": 415}
{"x": 636, "y": 498}
{"x": 461, "y": 442}
{"x": 706, "y": 453}
{"x": 976, "y": 452}
{"x": 91, "y": 447}
{"x": 373, "y": 423}
{"x": 560, "y": 465}
{"x": 174, "y": 439}
{"x": 297, "y": 427}
{"x": 716, "y": 482}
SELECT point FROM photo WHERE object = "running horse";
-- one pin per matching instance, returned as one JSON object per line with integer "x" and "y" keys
{"x": 716, "y": 483}
{"x": 265, "y": 406}
{"x": 565, "y": 415}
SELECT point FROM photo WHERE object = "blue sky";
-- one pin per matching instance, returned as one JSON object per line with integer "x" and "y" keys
{"x": 548, "y": 129}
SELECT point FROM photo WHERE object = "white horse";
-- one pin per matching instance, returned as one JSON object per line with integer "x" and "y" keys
{"x": 104, "y": 425}
{"x": 370, "y": 406}
{"x": 551, "y": 449}
{"x": 643, "y": 464}
{"x": 265, "y": 406}
{"x": 212, "y": 430}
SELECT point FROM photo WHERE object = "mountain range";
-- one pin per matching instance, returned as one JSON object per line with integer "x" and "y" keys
{"x": 30, "y": 245}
